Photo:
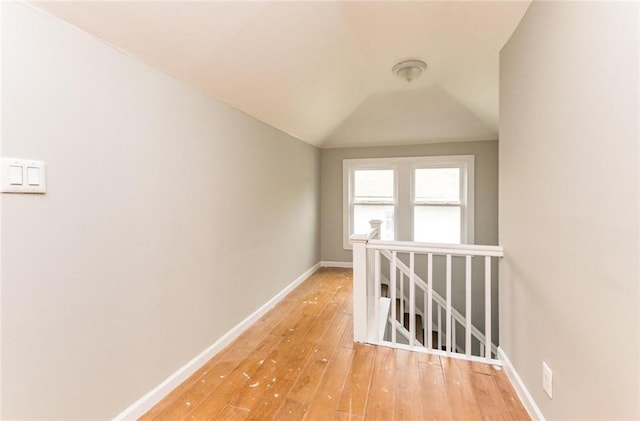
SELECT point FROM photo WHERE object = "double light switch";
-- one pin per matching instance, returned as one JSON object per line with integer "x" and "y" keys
{"x": 22, "y": 176}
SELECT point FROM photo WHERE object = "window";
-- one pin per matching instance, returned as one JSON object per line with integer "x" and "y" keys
{"x": 437, "y": 205}
{"x": 374, "y": 198}
{"x": 425, "y": 199}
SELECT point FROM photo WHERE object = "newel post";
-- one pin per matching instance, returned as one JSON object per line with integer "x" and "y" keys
{"x": 359, "y": 243}
{"x": 361, "y": 277}
{"x": 375, "y": 225}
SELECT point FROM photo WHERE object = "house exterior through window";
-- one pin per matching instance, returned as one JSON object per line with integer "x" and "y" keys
{"x": 424, "y": 199}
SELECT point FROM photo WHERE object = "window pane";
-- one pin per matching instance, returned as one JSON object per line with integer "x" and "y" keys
{"x": 437, "y": 185}
{"x": 362, "y": 214}
{"x": 373, "y": 186}
{"x": 436, "y": 224}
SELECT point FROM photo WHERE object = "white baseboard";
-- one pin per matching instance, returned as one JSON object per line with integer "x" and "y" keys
{"x": 521, "y": 389}
{"x": 144, "y": 404}
{"x": 330, "y": 264}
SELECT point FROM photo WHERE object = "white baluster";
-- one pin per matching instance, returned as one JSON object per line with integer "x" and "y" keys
{"x": 448, "y": 298}
{"x": 453, "y": 335}
{"x": 392, "y": 287}
{"x": 439, "y": 327}
{"x": 429, "y": 329}
{"x": 412, "y": 300}
{"x": 424, "y": 315}
{"x": 467, "y": 328}
{"x": 371, "y": 297}
{"x": 402, "y": 298}
{"x": 378, "y": 292}
{"x": 487, "y": 306}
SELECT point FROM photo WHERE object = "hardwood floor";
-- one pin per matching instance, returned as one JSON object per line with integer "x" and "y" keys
{"x": 299, "y": 362}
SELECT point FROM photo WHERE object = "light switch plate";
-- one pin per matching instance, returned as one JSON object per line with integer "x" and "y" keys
{"x": 16, "y": 175}
{"x": 33, "y": 180}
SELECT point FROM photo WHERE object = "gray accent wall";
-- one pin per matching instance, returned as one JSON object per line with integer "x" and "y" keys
{"x": 569, "y": 207}
{"x": 486, "y": 188}
{"x": 169, "y": 217}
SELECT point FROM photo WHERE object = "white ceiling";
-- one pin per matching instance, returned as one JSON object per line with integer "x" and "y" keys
{"x": 321, "y": 71}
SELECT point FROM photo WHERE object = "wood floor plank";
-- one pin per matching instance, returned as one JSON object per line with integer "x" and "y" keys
{"x": 220, "y": 396}
{"x": 251, "y": 337}
{"x": 274, "y": 395}
{"x": 291, "y": 410}
{"x": 408, "y": 405}
{"x": 198, "y": 391}
{"x": 429, "y": 358}
{"x": 290, "y": 322}
{"x": 481, "y": 368}
{"x": 488, "y": 397}
{"x": 307, "y": 383}
{"x": 346, "y": 341}
{"x": 435, "y": 403}
{"x": 322, "y": 322}
{"x": 267, "y": 374}
{"x": 277, "y": 316}
{"x": 313, "y": 372}
{"x": 343, "y": 416}
{"x": 346, "y": 307}
{"x": 327, "y": 396}
{"x": 356, "y": 388}
{"x": 176, "y": 395}
{"x": 335, "y": 330}
{"x": 231, "y": 413}
{"x": 510, "y": 398}
{"x": 289, "y": 303}
{"x": 459, "y": 390}
{"x": 321, "y": 375}
{"x": 381, "y": 397}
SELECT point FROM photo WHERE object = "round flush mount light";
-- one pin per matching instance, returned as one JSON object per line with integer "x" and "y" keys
{"x": 409, "y": 69}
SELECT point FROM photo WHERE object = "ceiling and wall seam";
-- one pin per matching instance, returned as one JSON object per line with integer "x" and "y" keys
{"x": 151, "y": 66}
{"x": 304, "y": 68}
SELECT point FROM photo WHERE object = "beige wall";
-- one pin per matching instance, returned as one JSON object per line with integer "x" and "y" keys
{"x": 486, "y": 188}
{"x": 169, "y": 217}
{"x": 569, "y": 214}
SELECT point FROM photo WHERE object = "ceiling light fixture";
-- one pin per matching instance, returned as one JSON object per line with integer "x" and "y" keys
{"x": 409, "y": 69}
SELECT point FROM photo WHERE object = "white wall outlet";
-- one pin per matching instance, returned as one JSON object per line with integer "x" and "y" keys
{"x": 547, "y": 379}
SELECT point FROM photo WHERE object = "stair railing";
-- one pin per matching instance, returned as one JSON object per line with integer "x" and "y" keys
{"x": 441, "y": 304}
{"x": 367, "y": 275}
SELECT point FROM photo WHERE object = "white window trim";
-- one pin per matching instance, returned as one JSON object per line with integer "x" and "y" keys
{"x": 348, "y": 168}
{"x": 465, "y": 162}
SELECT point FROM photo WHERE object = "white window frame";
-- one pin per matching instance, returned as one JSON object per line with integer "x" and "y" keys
{"x": 404, "y": 198}
{"x": 349, "y": 166}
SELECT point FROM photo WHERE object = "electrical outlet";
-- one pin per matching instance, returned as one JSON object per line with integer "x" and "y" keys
{"x": 547, "y": 379}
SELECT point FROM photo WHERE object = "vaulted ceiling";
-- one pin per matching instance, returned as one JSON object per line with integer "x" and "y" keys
{"x": 321, "y": 71}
